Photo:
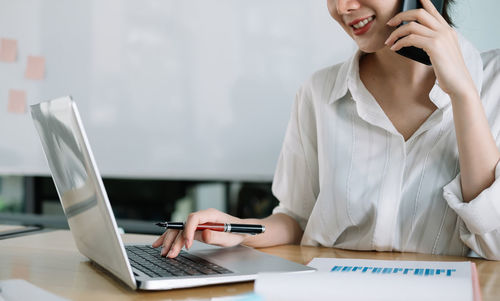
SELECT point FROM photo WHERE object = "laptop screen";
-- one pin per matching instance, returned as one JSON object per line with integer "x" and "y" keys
{"x": 80, "y": 186}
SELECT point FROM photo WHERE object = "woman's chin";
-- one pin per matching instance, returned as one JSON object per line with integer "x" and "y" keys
{"x": 371, "y": 44}
{"x": 371, "y": 48}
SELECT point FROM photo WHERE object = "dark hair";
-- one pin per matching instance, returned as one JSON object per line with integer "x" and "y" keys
{"x": 446, "y": 11}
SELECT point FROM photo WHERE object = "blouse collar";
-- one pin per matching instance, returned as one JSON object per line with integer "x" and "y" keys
{"x": 349, "y": 72}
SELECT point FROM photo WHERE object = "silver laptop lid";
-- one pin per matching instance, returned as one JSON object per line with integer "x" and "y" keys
{"x": 79, "y": 185}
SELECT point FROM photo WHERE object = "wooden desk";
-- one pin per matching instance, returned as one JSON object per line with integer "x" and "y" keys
{"x": 51, "y": 261}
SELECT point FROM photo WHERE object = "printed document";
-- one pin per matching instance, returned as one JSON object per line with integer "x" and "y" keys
{"x": 360, "y": 279}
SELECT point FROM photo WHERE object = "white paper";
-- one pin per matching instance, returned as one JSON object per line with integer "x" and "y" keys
{"x": 353, "y": 279}
{"x": 22, "y": 290}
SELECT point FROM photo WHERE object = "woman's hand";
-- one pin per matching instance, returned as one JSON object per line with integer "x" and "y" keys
{"x": 172, "y": 241}
{"x": 280, "y": 229}
{"x": 439, "y": 40}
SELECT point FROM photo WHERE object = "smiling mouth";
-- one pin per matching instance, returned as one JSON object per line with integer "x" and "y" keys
{"x": 358, "y": 24}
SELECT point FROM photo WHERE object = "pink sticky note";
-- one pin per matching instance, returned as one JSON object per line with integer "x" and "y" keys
{"x": 17, "y": 101}
{"x": 35, "y": 69}
{"x": 8, "y": 50}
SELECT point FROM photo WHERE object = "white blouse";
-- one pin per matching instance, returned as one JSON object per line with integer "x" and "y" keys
{"x": 351, "y": 180}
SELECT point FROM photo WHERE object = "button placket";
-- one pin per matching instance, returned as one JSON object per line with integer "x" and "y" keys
{"x": 388, "y": 205}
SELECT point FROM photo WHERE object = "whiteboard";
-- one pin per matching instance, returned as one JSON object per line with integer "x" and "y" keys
{"x": 186, "y": 89}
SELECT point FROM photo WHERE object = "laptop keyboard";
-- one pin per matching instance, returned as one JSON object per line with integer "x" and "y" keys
{"x": 148, "y": 260}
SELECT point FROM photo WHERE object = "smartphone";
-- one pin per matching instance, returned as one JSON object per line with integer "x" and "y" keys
{"x": 412, "y": 52}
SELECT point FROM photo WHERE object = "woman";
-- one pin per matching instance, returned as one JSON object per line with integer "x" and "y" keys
{"x": 385, "y": 153}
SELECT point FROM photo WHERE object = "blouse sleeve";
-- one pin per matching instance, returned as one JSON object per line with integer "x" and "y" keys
{"x": 296, "y": 180}
{"x": 481, "y": 216}
{"x": 480, "y": 229}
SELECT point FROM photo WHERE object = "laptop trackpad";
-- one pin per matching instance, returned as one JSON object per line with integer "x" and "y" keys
{"x": 243, "y": 259}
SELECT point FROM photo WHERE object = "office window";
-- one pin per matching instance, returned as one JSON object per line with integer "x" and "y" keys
{"x": 11, "y": 194}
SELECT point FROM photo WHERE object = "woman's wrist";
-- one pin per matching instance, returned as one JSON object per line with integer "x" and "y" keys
{"x": 280, "y": 229}
{"x": 249, "y": 239}
{"x": 465, "y": 92}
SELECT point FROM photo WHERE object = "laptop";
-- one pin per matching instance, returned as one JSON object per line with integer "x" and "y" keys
{"x": 94, "y": 229}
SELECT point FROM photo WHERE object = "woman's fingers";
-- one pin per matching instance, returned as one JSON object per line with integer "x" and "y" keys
{"x": 201, "y": 217}
{"x": 173, "y": 240}
{"x": 411, "y": 40}
{"x": 168, "y": 241}
{"x": 408, "y": 29}
{"x": 193, "y": 220}
{"x": 158, "y": 242}
{"x": 429, "y": 6}
{"x": 419, "y": 15}
{"x": 176, "y": 246}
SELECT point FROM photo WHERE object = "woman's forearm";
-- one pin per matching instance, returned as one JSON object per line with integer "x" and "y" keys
{"x": 280, "y": 229}
{"x": 478, "y": 153}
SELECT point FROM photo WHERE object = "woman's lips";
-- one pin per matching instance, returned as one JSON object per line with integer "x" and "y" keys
{"x": 361, "y": 26}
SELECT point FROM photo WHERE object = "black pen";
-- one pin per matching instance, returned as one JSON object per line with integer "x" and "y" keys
{"x": 234, "y": 228}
